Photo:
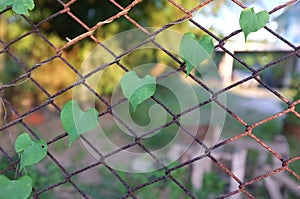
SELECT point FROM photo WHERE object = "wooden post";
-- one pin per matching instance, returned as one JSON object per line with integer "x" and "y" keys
{"x": 238, "y": 169}
{"x": 225, "y": 68}
{"x": 273, "y": 188}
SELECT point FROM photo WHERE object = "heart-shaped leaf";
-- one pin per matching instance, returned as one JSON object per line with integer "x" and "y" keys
{"x": 252, "y": 22}
{"x": 15, "y": 189}
{"x": 76, "y": 122}
{"x": 22, "y": 6}
{"x": 136, "y": 89}
{"x": 194, "y": 52}
{"x": 18, "y": 6}
{"x": 31, "y": 152}
{"x": 5, "y": 3}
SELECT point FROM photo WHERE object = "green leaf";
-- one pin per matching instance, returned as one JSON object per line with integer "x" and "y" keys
{"x": 5, "y": 3}
{"x": 252, "y": 22}
{"x": 15, "y": 189}
{"x": 18, "y": 6}
{"x": 31, "y": 152}
{"x": 22, "y": 6}
{"x": 194, "y": 52}
{"x": 136, "y": 89}
{"x": 76, "y": 122}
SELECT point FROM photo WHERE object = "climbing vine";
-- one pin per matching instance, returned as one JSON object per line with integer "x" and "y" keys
{"x": 76, "y": 122}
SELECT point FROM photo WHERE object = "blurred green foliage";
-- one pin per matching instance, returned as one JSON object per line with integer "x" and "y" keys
{"x": 54, "y": 76}
{"x": 213, "y": 185}
{"x": 110, "y": 187}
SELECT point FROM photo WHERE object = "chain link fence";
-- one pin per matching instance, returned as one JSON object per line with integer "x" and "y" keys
{"x": 245, "y": 162}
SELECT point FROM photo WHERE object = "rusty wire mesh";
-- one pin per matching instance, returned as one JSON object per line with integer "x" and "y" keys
{"x": 123, "y": 12}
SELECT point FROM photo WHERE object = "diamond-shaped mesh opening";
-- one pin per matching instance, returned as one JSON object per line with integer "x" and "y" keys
{"x": 52, "y": 82}
{"x": 8, "y": 26}
{"x": 156, "y": 19}
{"x": 101, "y": 182}
{"x": 24, "y": 51}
